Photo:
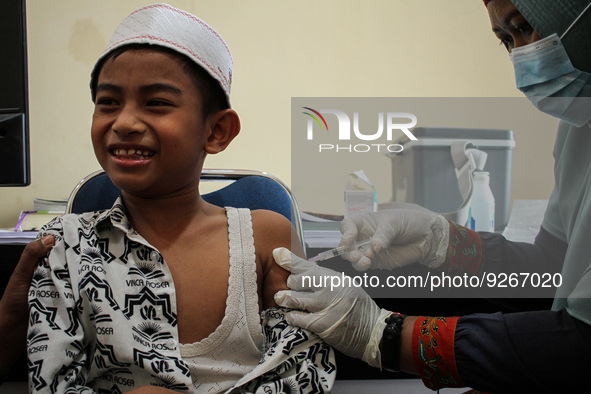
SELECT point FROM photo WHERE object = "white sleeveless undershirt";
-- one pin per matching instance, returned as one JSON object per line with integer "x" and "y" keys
{"x": 235, "y": 347}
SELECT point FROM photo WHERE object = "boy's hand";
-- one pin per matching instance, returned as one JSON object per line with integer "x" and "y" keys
{"x": 14, "y": 302}
{"x": 17, "y": 289}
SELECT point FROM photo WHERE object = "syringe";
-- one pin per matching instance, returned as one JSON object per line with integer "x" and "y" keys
{"x": 329, "y": 254}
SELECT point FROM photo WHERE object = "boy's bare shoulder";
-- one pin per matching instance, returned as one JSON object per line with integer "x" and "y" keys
{"x": 273, "y": 230}
{"x": 265, "y": 219}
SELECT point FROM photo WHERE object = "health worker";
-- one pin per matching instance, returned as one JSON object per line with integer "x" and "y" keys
{"x": 549, "y": 43}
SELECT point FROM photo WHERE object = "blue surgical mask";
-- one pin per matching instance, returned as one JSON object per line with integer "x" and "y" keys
{"x": 545, "y": 74}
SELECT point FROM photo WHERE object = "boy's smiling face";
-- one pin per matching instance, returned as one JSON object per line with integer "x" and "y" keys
{"x": 148, "y": 130}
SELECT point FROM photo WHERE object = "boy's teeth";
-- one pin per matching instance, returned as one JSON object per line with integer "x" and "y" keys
{"x": 129, "y": 152}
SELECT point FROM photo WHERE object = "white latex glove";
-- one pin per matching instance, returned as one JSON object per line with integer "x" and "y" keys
{"x": 344, "y": 317}
{"x": 398, "y": 237}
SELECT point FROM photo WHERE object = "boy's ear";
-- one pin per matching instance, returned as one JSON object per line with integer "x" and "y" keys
{"x": 225, "y": 127}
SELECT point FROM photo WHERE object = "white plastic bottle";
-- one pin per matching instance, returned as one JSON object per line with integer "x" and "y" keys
{"x": 482, "y": 204}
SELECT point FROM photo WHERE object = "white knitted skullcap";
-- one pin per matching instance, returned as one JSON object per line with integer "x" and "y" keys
{"x": 163, "y": 25}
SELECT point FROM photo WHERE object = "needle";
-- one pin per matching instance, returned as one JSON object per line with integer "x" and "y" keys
{"x": 329, "y": 254}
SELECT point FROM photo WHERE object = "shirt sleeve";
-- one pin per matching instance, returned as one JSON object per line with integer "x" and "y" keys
{"x": 474, "y": 252}
{"x": 529, "y": 351}
{"x": 433, "y": 350}
{"x": 542, "y": 351}
{"x": 57, "y": 359}
{"x": 546, "y": 254}
{"x": 500, "y": 263}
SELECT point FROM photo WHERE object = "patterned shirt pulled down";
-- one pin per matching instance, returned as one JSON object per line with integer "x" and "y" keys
{"x": 103, "y": 319}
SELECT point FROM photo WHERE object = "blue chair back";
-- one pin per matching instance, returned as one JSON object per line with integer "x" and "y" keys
{"x": 250, "y": 189}
{"x": 94, "y": 193}
{"x": 253, "y": 192}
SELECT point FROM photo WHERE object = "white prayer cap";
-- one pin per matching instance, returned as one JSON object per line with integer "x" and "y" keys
{"x": 166, "y": 26}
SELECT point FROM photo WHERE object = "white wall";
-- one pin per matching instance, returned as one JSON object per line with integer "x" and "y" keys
{"x": 398, "y": 48}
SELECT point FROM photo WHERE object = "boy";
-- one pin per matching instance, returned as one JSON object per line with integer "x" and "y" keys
{"x": 165, "y": 290}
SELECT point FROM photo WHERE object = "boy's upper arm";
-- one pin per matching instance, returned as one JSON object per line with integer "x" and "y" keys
{"x": 271, "y": 231}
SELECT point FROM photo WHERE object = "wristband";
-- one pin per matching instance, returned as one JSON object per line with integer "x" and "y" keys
{"x": 390, "y": 346}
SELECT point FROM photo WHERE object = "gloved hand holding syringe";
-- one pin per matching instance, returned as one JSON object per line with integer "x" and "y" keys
{"x": 339, "y": 251}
